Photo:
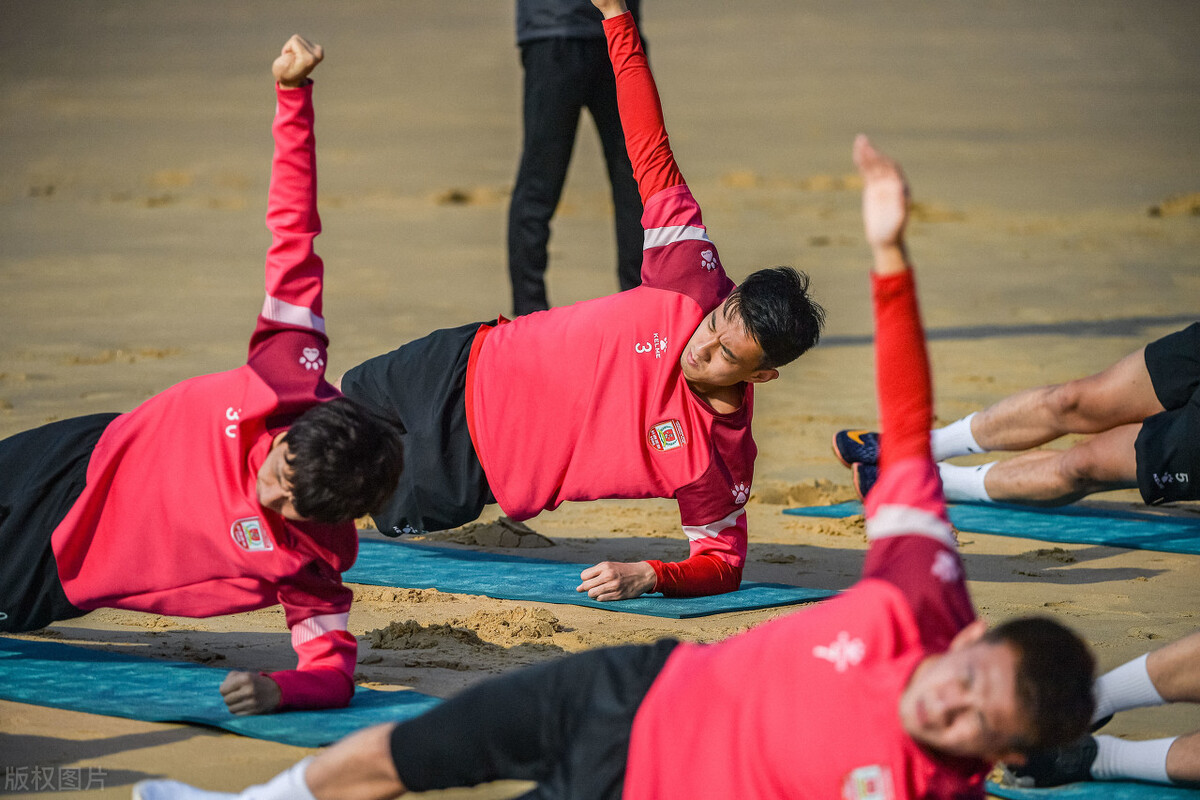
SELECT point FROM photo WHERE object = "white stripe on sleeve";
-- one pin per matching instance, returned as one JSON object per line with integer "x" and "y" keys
{"x": 315, "y": 627}
{"x": 712, "y": 529}
{"x": 278, "y": 310}
{"x": 660, "y": 237}
{"x": 900, "y": 520}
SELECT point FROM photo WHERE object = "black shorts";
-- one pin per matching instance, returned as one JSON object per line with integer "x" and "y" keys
{"x": 565, "y": 724}
{"x": 1168, "y": 447}
{"x": 422, "y": 385}
{"x": 42, "y": 474}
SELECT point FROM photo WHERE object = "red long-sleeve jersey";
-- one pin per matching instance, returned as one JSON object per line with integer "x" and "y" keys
{"x": 589, "y": 401}
{"x": 169, "y": 521}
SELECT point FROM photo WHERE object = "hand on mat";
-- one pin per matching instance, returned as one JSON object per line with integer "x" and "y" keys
{"x": 617, "y": 580}
{"x": 298, "y": 58}
{"x": 250, "y": 693}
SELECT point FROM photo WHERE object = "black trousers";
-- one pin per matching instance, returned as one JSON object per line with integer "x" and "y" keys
{"x": 565, "y": 724}
{"x": 42, "y": 473}
{"x": 562, "y": 77}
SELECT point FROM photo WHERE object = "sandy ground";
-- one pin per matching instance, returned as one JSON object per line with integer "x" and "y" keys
{"x": 1052, "y": 149}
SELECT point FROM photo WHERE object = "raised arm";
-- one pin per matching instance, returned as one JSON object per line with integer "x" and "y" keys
{"x": 294, "y": 272}
{"x": 637, "y": 99}
{"x": 912, "y": 543}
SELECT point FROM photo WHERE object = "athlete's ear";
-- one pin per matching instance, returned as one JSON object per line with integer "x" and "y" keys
{"x": 763, "y": 375}
{"x": 968, "y": 635}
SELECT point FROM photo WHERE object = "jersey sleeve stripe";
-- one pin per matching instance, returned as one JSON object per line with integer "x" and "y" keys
{"x": 902, "y": 520}
{"x": 306, "y": 630}
{"x": 660, "y": 237}
{"x": 712, "y": 529}
{"x": 287, "y": 313}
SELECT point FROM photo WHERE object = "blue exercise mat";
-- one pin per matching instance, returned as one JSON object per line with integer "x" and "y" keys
{"x": 117, "y": 685}
{"x": 413, "y": 566}
{"x": 1071, "y": 524}
{"x": 1096, "y": 790}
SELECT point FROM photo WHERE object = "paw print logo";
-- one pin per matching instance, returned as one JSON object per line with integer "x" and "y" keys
{"x": 311, "y": 358}
{"x": 945, "y": 567}
{"x": 708, "y": 260}
{"x": 741, "y": 493}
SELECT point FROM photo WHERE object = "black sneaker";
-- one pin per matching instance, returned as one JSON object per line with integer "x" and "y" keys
{"x": 863, "y": 476}
{"x": 1070, "y": 763}
{"x": 856, "y": 447}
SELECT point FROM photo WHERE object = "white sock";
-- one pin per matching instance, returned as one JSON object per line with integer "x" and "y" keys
{"x": 1117, "y": 759}
{"x": 1127, "y": 686}
{"x": 965, "y": 484}
{"x": 287, "y": 785}
{"x": 955, "y": 439}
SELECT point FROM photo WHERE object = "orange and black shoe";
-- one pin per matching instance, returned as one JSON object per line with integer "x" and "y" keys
{"x": 856, "y": 447}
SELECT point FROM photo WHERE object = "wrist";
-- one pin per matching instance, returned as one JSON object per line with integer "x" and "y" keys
{"x": 300, "y": 84}
{"x": 889, "y": 259}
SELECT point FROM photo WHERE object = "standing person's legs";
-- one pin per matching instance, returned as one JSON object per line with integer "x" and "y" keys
{"x": 627, "y": 203}
{"x": 552, "y": 103}
{"x": 42, "y": 473}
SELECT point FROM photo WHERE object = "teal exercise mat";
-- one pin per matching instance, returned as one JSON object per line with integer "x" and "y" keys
{"x": 1071, "y": 524}
{"x": 1096, "y": 790}
{"x": 118, "y": 685}
{"x": 404, "y": 565}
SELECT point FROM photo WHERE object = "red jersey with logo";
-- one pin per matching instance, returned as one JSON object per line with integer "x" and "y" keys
{"x": 589, "y": 401}
{"x": 813, "y": 711}
{"x": 169, "y": 521}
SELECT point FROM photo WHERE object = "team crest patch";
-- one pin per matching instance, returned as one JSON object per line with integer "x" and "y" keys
{"x": 868, "y": 783}
{"x": 667, "y": 436}
{"x": 250, "y": 535}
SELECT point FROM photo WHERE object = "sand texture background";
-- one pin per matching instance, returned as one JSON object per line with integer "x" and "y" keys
{"x": 1053, "y": 153}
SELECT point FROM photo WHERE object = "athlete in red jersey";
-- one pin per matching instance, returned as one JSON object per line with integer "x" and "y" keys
{"x": 891, "y": 690}
{"x": 644, "y": 393}
{"x": 226, "y": 492}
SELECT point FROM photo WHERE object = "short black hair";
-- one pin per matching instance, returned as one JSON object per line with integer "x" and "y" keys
{"x": 1055, "y": 670}
{"x": 777, "y": 311}
{"x": 345, "y": 461}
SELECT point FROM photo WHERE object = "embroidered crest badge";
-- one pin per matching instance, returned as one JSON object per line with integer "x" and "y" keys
{"x": 666, "y": 436}
{"x": 250, "y": 535}
{"x": 868, "y": 783}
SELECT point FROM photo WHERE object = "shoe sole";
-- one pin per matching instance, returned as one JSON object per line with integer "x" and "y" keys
{"x": 838, "y": 453}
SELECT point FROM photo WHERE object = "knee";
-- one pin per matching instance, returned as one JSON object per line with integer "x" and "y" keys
{"x": 1064, "y": 402}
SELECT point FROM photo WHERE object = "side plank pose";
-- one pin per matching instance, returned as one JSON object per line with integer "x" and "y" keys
{"x": 892, "y": 689}
{"x": 226, "y": 492}
{"x": 644, "y": 393}
{"x": 1144, "y": 412}
{"x": 1170, "y": 674}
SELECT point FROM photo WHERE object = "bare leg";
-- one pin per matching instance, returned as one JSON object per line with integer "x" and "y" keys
{"x": 1175, "y": 670}
{"x": 359, "y": 767}
{"x": 1183, "y": 759}
{"x": 1054, "y": 477}
{"x": 1119, "y": 395}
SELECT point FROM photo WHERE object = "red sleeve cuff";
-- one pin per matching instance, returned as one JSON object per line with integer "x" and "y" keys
{"x": 698, "y": 576}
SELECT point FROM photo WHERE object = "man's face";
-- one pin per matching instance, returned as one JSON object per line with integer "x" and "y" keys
{"x": 274, "y": 485}
{"x": 721, "y": 352}
{"x": 964, "y": 701}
